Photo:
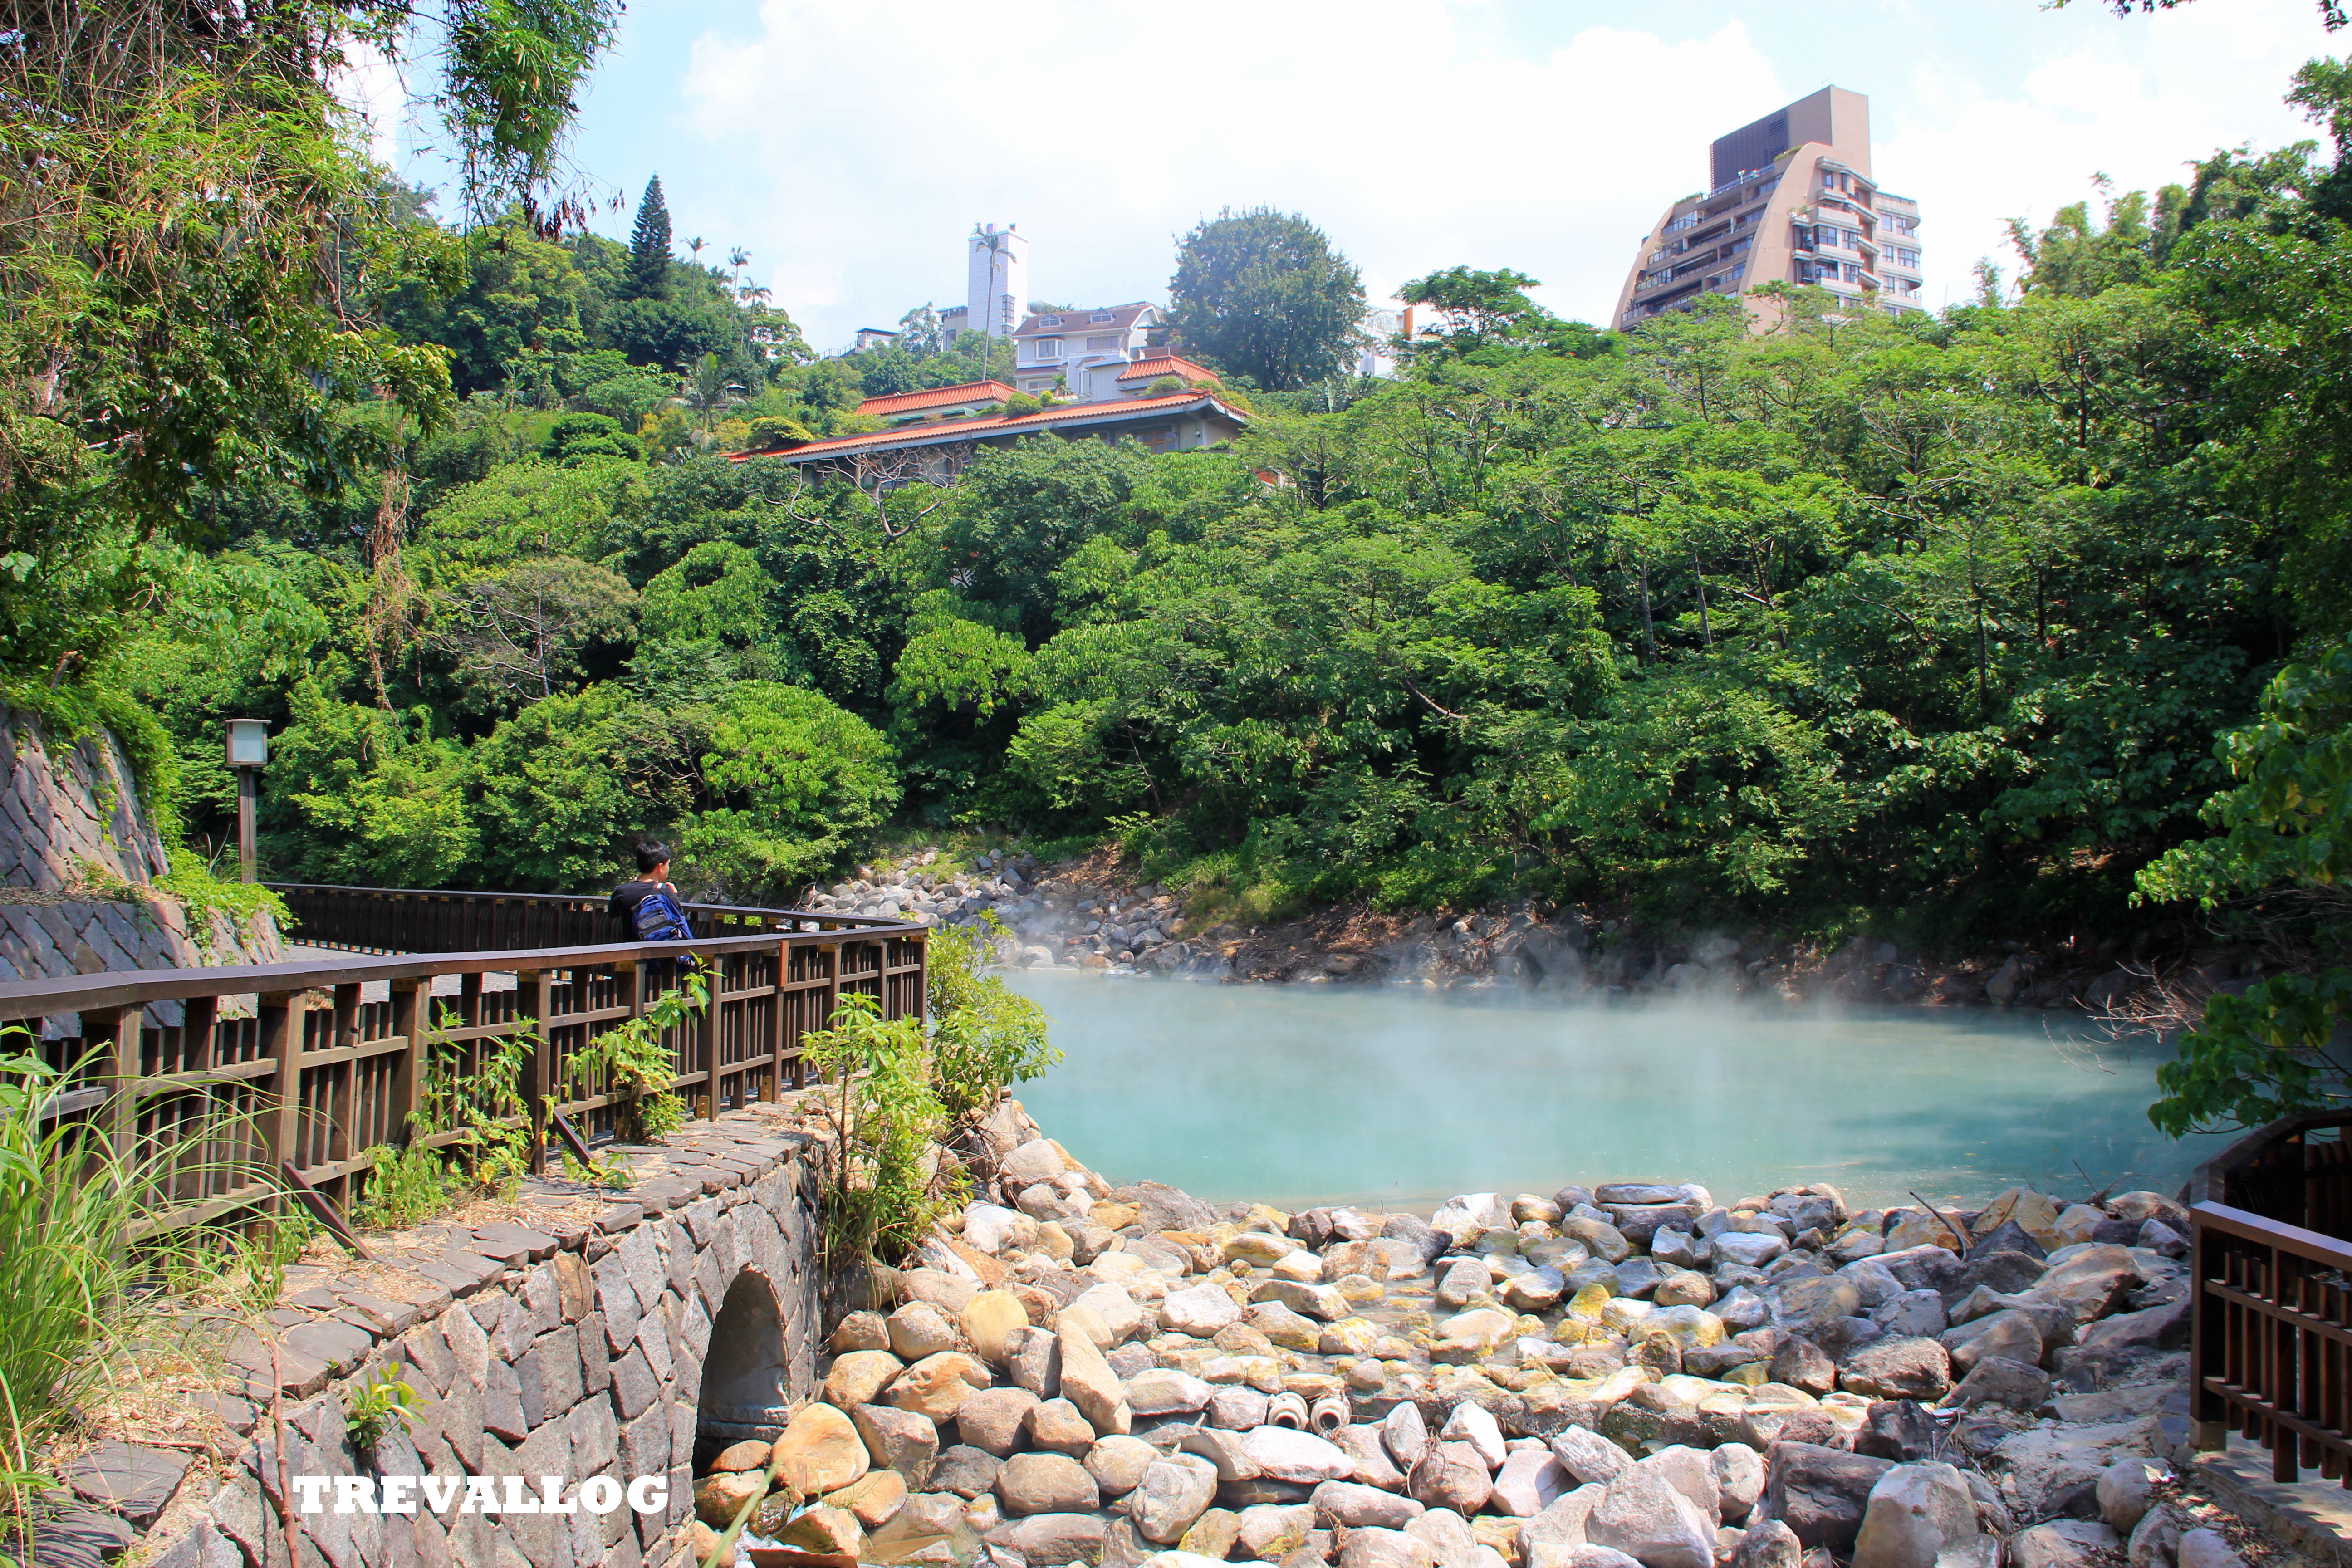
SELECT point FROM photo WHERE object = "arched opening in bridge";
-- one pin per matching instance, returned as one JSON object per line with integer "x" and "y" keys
{"x": 746, "y": 1386}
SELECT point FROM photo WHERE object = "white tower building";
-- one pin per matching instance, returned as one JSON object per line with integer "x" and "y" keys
{"x": 997, "y": 290}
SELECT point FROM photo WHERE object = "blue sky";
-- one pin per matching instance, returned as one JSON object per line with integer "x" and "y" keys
{"x": 851, "y": 144}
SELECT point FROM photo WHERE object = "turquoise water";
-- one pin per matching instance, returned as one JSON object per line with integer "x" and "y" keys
{"x": 1294, "y": 1095}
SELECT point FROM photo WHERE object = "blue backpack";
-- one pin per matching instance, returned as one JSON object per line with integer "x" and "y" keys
{"x": 657, "y": 918}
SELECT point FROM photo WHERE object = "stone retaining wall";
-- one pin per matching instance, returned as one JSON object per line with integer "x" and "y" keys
{"x": 70, "y": 822}
{"x": 578, "y": 1349}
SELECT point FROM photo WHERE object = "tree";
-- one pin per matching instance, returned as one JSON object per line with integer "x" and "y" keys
{"x": 1479, "y": 309}
{"x": 1263, "y": 294}
{"x": 649, "y": 255}
{"x": 517, "y": 637}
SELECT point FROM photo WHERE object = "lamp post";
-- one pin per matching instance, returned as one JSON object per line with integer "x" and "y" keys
{"x": 248, "y": 752}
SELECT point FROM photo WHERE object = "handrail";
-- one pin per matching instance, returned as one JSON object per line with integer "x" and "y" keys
{"x": 304, "y": 1071}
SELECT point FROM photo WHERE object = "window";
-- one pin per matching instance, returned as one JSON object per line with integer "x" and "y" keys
{"x": 1099, "y": 316}
{"x": 1049, "y": 348}
{"x": 1049, "y": 321}
{"x": 1901, "y": 256}
{"x": 1103, "y": 343}
{"x": 1896, "y": 223}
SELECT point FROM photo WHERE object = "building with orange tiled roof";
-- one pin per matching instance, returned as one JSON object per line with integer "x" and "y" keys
{"x": 964, "y": 398}
{"x": 937, "y": 449}
{"x": 1143, "y": 371}
{"x": 1073, "y": 349}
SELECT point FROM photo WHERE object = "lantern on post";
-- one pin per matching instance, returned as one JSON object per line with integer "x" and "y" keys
{"x": 248, "y": 753}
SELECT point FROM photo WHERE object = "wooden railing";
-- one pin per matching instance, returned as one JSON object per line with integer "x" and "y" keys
{"x": 408, "y": 919}
{"x": 235, "y": 1075}
{"x": 2271, "y": 1349}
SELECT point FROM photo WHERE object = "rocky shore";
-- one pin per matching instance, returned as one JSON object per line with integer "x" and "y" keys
{"x": 1630, "y": 1373}
{"x": 1088, "y": 914}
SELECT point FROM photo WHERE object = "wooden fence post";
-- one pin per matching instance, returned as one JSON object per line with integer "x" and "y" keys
{"x": 410, "y": 1001}
{"x": 534, "y": 989}
{"x": 282, "y": 1042}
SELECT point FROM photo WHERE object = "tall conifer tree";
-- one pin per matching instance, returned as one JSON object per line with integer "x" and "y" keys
{"x": 649, "y": 244}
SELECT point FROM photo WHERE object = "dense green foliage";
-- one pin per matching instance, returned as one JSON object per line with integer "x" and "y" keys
{"x": 1925, "y": 619}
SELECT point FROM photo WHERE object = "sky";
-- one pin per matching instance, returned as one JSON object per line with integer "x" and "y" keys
{"x": 851, "y": 145}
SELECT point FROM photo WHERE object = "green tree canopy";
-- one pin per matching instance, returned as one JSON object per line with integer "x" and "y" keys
{"x": 649, "y": 252}
{"x": 1262, "y": 294}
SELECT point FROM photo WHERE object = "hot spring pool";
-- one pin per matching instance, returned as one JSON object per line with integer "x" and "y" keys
{"x": 1400, "y": 1097}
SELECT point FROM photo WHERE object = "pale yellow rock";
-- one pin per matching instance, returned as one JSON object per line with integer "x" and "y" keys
{"x": 1348, "y": 1336}
{"x": 1112, "y": 1216}
{"x": 1362, "y": 1289}
{"x": 751, "y": 1454}
{"x": 1588, "y": 1303}
{"x": 1088, "y": 1321}
{"x": 874, "y": 1499}
{"x": 858, "y": 1377}
{"x": 827, "y": 1529}
{"x": 1055, "y": 1242}
{"x": 1918, "y": 1229}
{"x": 936, "y": 1384}
{"x": 2036, "y": 1213}
{"x": 2077, "y": 1222}
{"x": 1087, "y": 1381}
{"x": 1302, "y": 1266}
{"x": 1259, "y": 1246}
{"x": 820, "y": 1451}
{"x": 990, "y": 1320}
{"x": 702, "y": 1541}
{"x": 717, "y": 1498}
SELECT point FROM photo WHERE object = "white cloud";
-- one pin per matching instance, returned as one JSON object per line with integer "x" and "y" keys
{"x": 851, "y": 147}
{"x": 1409, "y": 131}
{"x": 2137, "y": 103}
{"x": 371, "y": 85}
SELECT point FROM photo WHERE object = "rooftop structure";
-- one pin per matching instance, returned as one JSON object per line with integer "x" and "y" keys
{"x": 1792, "y": 199}
{"x": 937, "y": 449}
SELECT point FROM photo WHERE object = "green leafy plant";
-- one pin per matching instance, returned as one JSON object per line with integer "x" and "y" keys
{"x": 641, "y": 1064}
{"x": 406, "y": 1186}
{"x": 984, "y": 1034}
{"x": 370, "y": 1407}
{"x": 485, "y": 1105}
{"x": 885, "y": 1187}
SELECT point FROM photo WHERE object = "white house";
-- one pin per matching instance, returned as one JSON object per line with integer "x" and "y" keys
{"x": 1086, "y": 351}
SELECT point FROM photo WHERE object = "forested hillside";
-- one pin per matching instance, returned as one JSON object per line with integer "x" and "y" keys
{"x": 1931, "y": 620}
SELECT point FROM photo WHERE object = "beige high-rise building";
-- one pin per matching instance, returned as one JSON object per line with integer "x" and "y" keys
{"x": 1790, "y": 198}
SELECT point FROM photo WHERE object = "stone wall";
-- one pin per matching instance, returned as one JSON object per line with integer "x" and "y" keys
{"x": 589, "y": 1338}
{"x": 78, "y": 860}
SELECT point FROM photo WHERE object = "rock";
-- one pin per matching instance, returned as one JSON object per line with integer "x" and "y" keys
{"x": 1286, "y": 1328}
{"x": 1055, "y": 1425}
{"x": 1897, "y": 1369}
{"x": 2158, "y": 1328}
{"x": 1915, "y": 1513}
{"x": 1283, "y": 1454}
{"x": 1045, "y": 1483}
{"x": 2206, "y": 1548}
{"x": 1451, "y": 1541}
{"x": 1165, "y": 1392}
{"x": 964, "y": 1470}
{"x": 1381, "y": 1548}
{"x": 1997, "y": 1380}
{"x": 1561, "y": 1525}
{"x": 1087, "y": 1379}
{"x": 1405, "y": 1435}
{"x": 1912, "y": 1314}
{"x": 1472, "y": 1425}
{"x": 1800, "y": 1364}
{"x": 1322, "y": 1303}
{"x": 874, "y": 1499}
{"x": 1641, "y": 1515}
{"x": 1236, "y": 1409}
{"x": 898, "y": 1440}
{"x": 993, "y": 1229}
{"x": 1896, "y": 1429}
{"x": 919, "y": 1329}
{"x": 1118, "y": 1463}
{"x": 1470, "y": 1337}
{"x": 935, "y": 1385}
{"x": 1348, "y": 1505}
{"x": 1047, "y": 1540}
{"x": 2126, "y": 1489}
{"x": 1117, "y": 1309}
{"x": 1199, "y": 1310}
{"x": 856, "y": 1378}
{"x": 2156, "y": 1540}
{"x": 1271, "y": 1531}
{"x": 2092, "y": 1282}
{"x": 827, "y": 1529}
{"x": 1529, "y": 1481}
{"x": 1738, "y": 1480}
{"x": 988, "y": 1321}
{"x": 1802, "y": 1305}
{"x": 995, "y": 1419}
{"x": 2064, "y": 1544}
{"x": 1035, "y": 1161}
{"x": 2011, "y": 1334}
{"x": 1374, "y": 1466}
{"x": 1171, "y": 1495}
{"x": 1690, "y": 1472}
{"x": 820, "y": 1450}
{"x": 717, "y": 1499}
{"x": 1748, "y": 1249}
{"x": 1451, "y": 1475}
{"x": 1819, "y": 1492}
{"x": 1768, "y": 1543}
{"x": 861, "y": 1331}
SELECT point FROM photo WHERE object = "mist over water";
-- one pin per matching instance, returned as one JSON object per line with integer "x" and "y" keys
{"x": 1296, "y": 1095}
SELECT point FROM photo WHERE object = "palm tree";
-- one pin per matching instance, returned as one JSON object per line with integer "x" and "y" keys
{"x": 696, "y": 245}
{"x": 737, "y": 259}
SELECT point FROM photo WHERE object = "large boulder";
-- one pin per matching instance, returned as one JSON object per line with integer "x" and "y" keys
{"x": 1161, "y": 1207}
{"x": 1283, "y": 1454}
{"x": 1915, "y": 1513}
{"x": 820, "y": 1451}
{"x": 1452, "y": 1476}
{"x": 1898, "y": 1369}
{"x": 1819, "y": 1492}
{"x": 1087, "y": 1379}
{"x": 934, "y": 1386}
{"x": 1199, "y": 1310}
{"x": 1347, "y": 1505}
{"x": 1045, "y": 1483}
{"x": 1171, "y": 1494}
{"x": 1642, "y": 1515}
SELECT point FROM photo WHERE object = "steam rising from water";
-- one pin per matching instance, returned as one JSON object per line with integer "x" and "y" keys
{"x": 1339, "y": 1094}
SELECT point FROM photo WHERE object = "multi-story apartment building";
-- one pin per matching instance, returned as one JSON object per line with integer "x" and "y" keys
{"x": 1790, "y": 198}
